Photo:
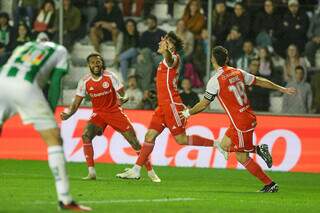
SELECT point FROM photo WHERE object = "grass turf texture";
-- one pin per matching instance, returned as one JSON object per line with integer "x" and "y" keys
{"x": 27, "y": 186}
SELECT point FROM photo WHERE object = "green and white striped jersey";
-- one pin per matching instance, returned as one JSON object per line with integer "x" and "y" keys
{"x": 34, "y": 62}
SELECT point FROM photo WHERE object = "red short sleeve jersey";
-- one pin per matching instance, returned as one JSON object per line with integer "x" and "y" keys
{"x": 229, "y": 84}
{"x": 102, "y": 91}
{"x": 167, "y": 79}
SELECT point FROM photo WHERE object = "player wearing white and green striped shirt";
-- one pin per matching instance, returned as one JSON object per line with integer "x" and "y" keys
{"x": 31, "y": 67}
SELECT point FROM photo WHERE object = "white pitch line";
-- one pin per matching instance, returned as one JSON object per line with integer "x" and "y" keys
{"x": 159, "y": 200}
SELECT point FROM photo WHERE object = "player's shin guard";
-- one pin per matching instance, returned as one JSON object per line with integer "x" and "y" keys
{"x": 195, "y": 140}
{"x": 57, "y": 165}
{"x": 88, "y": 153}
{"x": 257, "y": 171}
{"x": 145, "y": 153}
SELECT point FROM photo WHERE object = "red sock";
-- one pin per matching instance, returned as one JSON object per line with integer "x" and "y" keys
{"x": 256, "y": 170}
{"x": 195, "y": 140}
{"x": 144, "y": 153}
{"x": 232, "y": 148}
{"x": 148, "y": 164}
{"x": 88, "y": 153}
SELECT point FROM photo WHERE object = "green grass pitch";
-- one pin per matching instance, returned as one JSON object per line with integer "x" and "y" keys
{"x": 27, "y": 186}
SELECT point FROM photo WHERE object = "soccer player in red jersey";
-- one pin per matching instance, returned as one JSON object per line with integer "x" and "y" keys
{"x": 229, "y": 85}
{"x": 103, "y": 87}
{"x": 169, "y": 106}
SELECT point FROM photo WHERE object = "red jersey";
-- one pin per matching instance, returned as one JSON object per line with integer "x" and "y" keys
{"x": 229, "y": 84}
{"x": 103, "y": 91}
{"x": 167, "y": 77}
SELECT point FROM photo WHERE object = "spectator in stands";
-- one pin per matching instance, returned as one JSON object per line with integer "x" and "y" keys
{"x": 266, "y": 64}
{"x": 6, "y": 31}
{"x": 134, "y": 94}
{"x": 248, "y": 53}
{"x": 193, "y": 19}
{"x": 241, "y": 19}
{"x": 189, "y": 97}
{"x": 45, "y": 20}
{"x": 234, "y": 44}
{"x": 71, "y": 24}
{"x": 186, "y": 36}
{"x": 127, "y": 7}
{"x": 293, "y": 28}
{"x": 4, "y": 55}
{"x": 106, "y": 25}
{"x": 301, "y": 102}
{"x": 150, "y": 96}
{"x": 314, "y": 38}
{"x": 129, "y": 43}
{"x": 23, "y": 35}
{"x": 25, "y": 11}
{"x": 315, "y": 85}
{"x": 259, "y": 97}
{"x": 220, "y": 22}
{"x": 265, "y": 25}
{"x": 89, "y": 10}
{"x": 292, "y": 61}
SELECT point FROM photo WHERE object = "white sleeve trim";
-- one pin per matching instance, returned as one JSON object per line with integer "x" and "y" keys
{"x": 81, "y": 89}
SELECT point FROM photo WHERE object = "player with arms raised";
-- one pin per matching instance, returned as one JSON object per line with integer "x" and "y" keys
{"x": 28, "y": 70}
{"x": 103, "y": 87}
{"x": 229, "y": 85}
{"x": 169, "y": 106}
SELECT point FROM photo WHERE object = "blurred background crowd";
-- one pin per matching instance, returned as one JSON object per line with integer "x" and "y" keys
{"x": 276, "y": 39}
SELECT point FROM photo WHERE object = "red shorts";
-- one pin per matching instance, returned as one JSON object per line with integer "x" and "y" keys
{"x": 243, "y": 141}
{"x": 168, "y": 116}
{"x": 117, "y": 120}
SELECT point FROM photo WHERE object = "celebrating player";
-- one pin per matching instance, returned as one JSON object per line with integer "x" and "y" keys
{"x": 31, "y": 67}
{"x": 103, "y": 87}
{"x": 169, "y": 106}
{"x": 229, "y": 84}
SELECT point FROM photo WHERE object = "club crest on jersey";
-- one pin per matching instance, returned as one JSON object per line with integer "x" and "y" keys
{"x": 105, "y": 85}
{"x": 91, "y": 88}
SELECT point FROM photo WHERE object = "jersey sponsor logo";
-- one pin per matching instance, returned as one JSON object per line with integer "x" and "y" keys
{"x": 95, "y": 95}
{"x": 105, "y": 85}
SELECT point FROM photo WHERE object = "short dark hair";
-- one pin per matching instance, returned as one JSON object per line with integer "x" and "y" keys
{"x": 95, "y": 55}
{"x": 153, "y": 17}
{"x": 256, "y": 58}
{"x": 177, "y": 42}
{"x": 221, "y": 55}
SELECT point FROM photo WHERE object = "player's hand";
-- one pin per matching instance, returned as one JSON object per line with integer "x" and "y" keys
{"x": 185, "y": 114}
{"x": 123, "y": 100}
{"x": 289, "y": 90}
{"x": 64, "y": 116}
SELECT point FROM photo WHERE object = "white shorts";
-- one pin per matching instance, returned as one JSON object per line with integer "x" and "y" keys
{"x": 28, "y": 100}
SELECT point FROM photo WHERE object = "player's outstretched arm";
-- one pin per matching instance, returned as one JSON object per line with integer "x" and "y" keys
{"x": 72, "y": 109}
{"x": 265, "y": 83}
{"x": 199, "y": 107}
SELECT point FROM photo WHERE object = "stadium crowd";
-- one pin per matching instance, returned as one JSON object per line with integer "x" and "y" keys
{"x": 276, "y": 39}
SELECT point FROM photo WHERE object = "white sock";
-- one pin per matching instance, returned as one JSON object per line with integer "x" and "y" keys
{"x": 151, "y": 172}
{"x": 92, "y": 170}
{"x": 57, "y": 165}
{"x": 137, "y": 168}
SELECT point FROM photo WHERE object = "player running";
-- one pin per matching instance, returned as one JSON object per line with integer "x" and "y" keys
{"x": 103, "y": 86}
{"x": 22, "y": 78}
{"x": 229, "y": 85}
{"x": 169, "y": 106}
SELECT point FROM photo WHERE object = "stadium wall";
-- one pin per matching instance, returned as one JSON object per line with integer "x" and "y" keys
{"x": 294, "y": 142}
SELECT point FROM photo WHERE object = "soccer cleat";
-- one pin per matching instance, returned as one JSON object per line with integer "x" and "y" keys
{"x": 90, "y": 177}
{"x": 224, "y": 153}
{"x": 73, "y": 206}
{"x": 129, "y": 174}
{"x": 153, "y": 176}
{"x": 263, "y": 152}
{"x": 272, "y": 187}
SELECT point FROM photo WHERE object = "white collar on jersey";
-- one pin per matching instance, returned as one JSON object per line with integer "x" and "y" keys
{"x": 96, "y": 80}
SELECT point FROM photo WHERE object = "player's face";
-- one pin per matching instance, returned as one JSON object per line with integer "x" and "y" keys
{"x": 96, "y": 65}
{"x": 164, "y": 44}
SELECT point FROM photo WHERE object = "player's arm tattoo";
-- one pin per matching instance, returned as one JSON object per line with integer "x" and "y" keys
{"x": 75, "y": 104}
{"x": 200, "y": 106}
{"x": 168, "y": 57}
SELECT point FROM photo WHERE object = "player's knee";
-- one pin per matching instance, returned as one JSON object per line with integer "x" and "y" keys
{"x": 182, "y": 140}
{"x": 242, "y": 157}
{"x": 86, "y": 138}
{"x": 149, "y": 138}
